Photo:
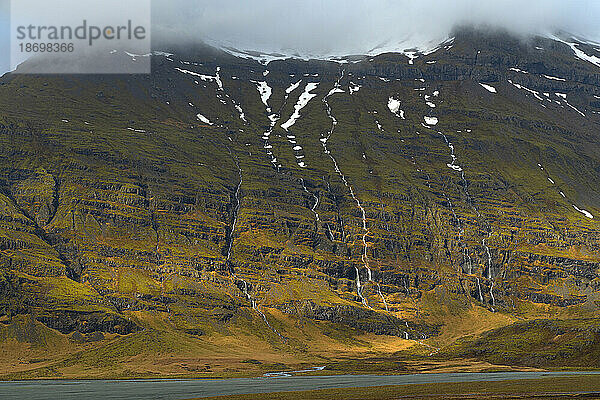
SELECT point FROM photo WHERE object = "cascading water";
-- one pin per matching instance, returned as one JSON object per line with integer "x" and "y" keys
{"x": 364, "y": 257}
{"x": 236, "y": 210}
{"x": 490, "y": 274}
{"x": 479, "y": 288}
{"x": 453, "y": 165}
{"x": 237, "y": 203}
{"x": 315, "y": 197}
{"x": 393, "y": 105}
{"x": 236, "y": 207}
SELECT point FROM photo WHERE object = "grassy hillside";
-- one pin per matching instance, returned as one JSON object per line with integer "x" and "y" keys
{"x": 137, "y": 239}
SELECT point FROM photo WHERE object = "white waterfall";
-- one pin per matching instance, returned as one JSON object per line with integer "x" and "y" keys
{"x": 316, "y": 203}
{"x": 364, "y": 257}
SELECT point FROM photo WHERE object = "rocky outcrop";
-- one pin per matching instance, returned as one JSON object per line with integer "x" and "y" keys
{"x": 86, "y": 322}
{"x": 362, "y": 319}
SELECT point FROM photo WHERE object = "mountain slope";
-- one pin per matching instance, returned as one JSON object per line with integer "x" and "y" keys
{"x": 311, "y": 209}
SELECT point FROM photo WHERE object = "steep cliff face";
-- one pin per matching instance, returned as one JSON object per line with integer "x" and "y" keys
{"x": 386, "y": 195}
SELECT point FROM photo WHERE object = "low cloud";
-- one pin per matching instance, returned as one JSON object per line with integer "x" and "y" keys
{"x": 355, "y": 26}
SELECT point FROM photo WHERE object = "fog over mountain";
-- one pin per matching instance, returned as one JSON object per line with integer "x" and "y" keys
{"x": 341, "y": 27}
{"x": 356, "y": 26}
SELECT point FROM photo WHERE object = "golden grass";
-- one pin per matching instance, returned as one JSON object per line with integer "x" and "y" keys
{"x": 551, "y": 388}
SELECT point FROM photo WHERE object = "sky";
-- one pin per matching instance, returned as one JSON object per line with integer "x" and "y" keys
{"x": 355, "y": 26}
{"x": 341, "y": 27}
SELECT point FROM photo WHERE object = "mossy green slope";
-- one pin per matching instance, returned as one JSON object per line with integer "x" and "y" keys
{"x": 123, "y": 213}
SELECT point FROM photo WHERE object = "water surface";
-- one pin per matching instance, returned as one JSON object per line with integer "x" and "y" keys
{"x": 175, "y": 389}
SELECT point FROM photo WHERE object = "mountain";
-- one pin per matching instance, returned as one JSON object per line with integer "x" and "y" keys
{"x": 221, "y": 217}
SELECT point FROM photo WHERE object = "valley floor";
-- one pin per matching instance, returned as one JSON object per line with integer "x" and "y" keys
{"x": 580, "y": 387}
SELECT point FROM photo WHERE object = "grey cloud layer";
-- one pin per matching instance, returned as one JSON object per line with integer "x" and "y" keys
{"x": 348, "y": 26}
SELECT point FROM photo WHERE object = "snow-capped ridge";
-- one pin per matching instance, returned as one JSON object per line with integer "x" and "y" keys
{"x": 412, "y": 46}
{"x": 574, "y": 42}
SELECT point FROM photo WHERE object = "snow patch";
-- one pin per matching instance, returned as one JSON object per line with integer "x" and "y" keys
{"x": 394, "y": 106}
{"x": 240, "y": 111}
{"x": 334, "y": 91}
{"x": 203, "y": 119}
{"x": 431, "y": 120}
{"x": 265, "y": 92}
{"x": 136, "y": 130}
{"x": 554, "y": 78}
{"x": 584, "y": 212}
{"x": 302, "y": 102}
{"x": 578, "y": 52}
{"x": 518, "y": 70}
{"x": 535, "y": 93}
{"x": 489, "y": 88}
{"x": 353, "y": 88}
{"x": 201, "y": 76}
{"x": 564, "y": 97}
{"x": 293, "y": 87}
{"x": 453, "y": 164}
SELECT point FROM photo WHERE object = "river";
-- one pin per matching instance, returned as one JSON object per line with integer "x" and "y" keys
{"x": 175, "y": 389}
